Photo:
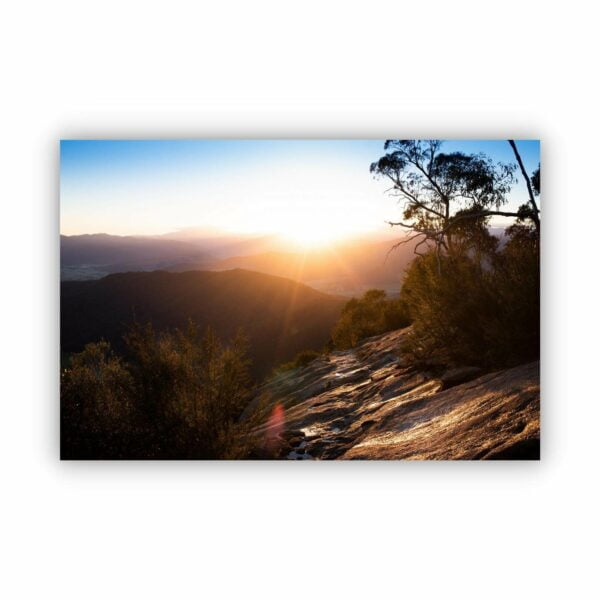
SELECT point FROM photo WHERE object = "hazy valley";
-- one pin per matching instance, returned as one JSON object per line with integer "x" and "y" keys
{"x": 346, "y": 269}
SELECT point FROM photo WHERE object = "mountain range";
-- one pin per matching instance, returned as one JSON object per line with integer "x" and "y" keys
{"x": 346, "y": 269}
{"x": 281, "y": 317}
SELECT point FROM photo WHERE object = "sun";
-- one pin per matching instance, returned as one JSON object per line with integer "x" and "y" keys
{"x": 313, "y": 235}
{"x": 312, "y": 232}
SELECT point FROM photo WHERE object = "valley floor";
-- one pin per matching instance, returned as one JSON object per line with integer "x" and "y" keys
{"x": 366, "y": 403}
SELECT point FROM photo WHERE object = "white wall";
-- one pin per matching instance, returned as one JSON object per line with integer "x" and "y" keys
{"x": 276, "y": 69}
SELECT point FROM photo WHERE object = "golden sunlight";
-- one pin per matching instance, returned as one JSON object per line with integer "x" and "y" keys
{"x": 309, "y": 231}
{"x": 314, "y": 235}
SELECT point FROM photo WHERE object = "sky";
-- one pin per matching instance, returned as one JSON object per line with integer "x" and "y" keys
{"x": 306, "y": 190}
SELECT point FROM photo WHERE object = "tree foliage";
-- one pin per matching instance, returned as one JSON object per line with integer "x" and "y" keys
{"x": 173, "y": 395}
{"x": 438, "y": 191}
{"x": 372, "y": 314}
{"x": 469, "y": 313}
{"x": 471, "y": 299}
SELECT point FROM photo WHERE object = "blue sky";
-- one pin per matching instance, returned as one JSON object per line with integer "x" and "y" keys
{"x": 247, "y": 186}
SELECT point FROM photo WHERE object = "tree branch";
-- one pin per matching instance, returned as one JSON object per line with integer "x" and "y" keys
{"x": 412, "y": 198}
{"x": 478, "y": 215}
{"x": 401, "y": 243}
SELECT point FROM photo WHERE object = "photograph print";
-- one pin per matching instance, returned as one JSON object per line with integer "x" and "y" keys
{"x": 300, "y": 299}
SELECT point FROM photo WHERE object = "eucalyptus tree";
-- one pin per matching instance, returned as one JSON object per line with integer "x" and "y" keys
{"x": 445, "y": 195}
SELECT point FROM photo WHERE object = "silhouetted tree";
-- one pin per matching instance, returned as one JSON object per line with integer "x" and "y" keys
{"x": 469, "y": 299}
{"x": 535, "y": 181}
{"x": 529, "y": 210}
{"x": 439, "y": 192}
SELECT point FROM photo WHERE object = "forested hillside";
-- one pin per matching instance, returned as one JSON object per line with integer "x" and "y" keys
{"x": 281, "y": 317}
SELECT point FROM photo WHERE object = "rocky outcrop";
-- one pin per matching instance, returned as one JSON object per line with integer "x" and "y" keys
{"x": 368, "y": 403}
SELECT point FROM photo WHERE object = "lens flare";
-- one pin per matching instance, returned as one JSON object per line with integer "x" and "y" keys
{"x": 275, "y": 426}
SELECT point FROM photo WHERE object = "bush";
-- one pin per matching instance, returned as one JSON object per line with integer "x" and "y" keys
{"x": 469, "y": 310}
{"x": 97, "y": 407}
{"x": 373, "y": 314}
{"x": 174, "y": 395}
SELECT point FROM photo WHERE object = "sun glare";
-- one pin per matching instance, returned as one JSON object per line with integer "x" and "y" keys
{"x": 313, "y": 233}
{"x": 312, "y": 237}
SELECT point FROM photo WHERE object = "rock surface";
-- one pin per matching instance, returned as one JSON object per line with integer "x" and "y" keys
{"x": 367, "y": 403}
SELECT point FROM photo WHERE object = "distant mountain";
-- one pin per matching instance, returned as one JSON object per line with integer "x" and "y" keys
{"x": 93, "y": 256}
{"x": 222, "y": 245}
{"x": 103, "y": 249}
{"x": 281, "y": 317}
{"x": 192, "y": 234}
{"x": 254, "y": 245}
{"x": 347, "y": 269}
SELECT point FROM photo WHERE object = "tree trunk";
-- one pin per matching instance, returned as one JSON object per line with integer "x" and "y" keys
{"x": 535, "y": 211}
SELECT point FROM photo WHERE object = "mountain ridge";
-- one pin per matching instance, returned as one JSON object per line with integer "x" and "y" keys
{"x": 281, "y": 317}
{"x": 348, "y": 268}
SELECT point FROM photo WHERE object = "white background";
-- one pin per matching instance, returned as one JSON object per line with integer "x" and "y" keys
{"x": 300, "y": 530}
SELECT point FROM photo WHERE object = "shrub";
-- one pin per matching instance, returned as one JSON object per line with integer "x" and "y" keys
{"x": 174, "y": 395}
{"x": 97, "y": 406}
{"x": 468, "y": 311}
{"x": 373, "y": 314}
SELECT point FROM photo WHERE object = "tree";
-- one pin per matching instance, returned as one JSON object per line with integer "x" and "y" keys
{"x": 372, "y": 314}
{"x": 530, "y": 209}
{"x": 470, "y": 300}
{"x": 174, "y": 394}
{"x": 97, "y": 407}
{"x": 440, "y": 192}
